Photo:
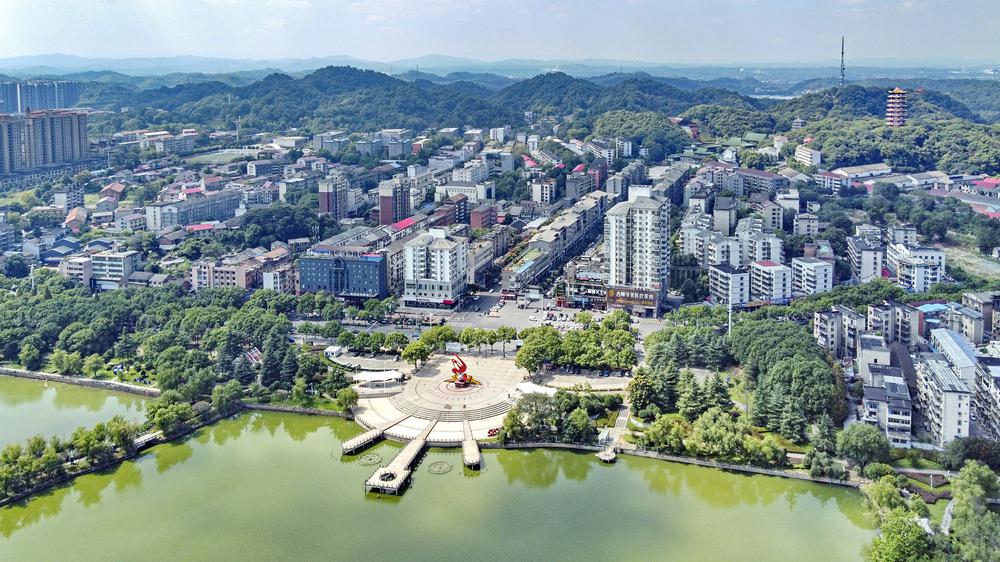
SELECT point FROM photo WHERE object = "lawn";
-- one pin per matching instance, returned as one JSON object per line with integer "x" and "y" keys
{"x": 313, "y": 402}
{"x": 918, "y": 463}
{"x": 608, "y": 419}
{"x": 937, "y": 511}
{"x": 785, "y": 443}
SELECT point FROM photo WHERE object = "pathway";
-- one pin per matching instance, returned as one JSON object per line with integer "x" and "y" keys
{"x": 360, "y": 441}
{"x": 393, "y": 478}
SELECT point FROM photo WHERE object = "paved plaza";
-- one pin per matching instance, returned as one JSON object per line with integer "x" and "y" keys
{"x": 431, "y": 394}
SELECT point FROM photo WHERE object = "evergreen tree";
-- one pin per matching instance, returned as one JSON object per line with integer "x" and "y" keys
{"x": 825, "y": 438}
{"x": 715, "y": 354}
{"x": 665, "y": 382}
{"x": 793, "y": 423}
{"x": 690, "y": 399}
{"x": 679, "y": 350}
{"x": 274, "y": 354}
{"x": 289, "y": 366}
{"x": 717, "y": 393}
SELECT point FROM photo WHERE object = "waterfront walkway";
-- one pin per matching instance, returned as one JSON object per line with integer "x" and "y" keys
{"x": 359, "y": 442}
{"x": 393, "y": 478}
{"x": 470, "y": 447}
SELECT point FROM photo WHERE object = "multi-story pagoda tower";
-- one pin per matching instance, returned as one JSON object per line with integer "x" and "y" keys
{"x": 895, "y": 108}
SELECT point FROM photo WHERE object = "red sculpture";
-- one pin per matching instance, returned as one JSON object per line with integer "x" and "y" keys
{"x": 458, "y": 374}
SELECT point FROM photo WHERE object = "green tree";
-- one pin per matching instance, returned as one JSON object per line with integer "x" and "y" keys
{"x": 505, "y": 335}
{"x": 93, "y": 365}
{"x": 793, "y": 423}
{"x": 299, "y": 395}
{"x": 578, "y": 428}
{"x": 666, "y": 435}
{"x": 416, "y": 352}
{"x": 717, "y": 393}
{"x": 901, "y": 539}
{"x": 863, "y": 443}
{"x": 641, "y": 392}
{"x": 226, "y": 396}
{"x": 30, "y": 357}
{"x": 347, "y": 398}
{"x": 691, "y": 401}
{"x": 66, "y": 363}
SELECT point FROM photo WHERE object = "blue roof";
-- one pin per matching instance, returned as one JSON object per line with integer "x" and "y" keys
{"x": 932, "y": 307}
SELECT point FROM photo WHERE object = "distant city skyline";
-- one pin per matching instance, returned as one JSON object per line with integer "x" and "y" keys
{"x": 732, "y": 32}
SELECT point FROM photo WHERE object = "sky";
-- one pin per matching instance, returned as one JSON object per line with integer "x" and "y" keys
{"x": 662, "y": 31}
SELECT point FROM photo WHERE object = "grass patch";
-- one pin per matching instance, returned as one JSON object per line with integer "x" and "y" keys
{"x": 789, "y": 446}
{"x": 923, "y": 486}
{"x": 917, "y": 463}
{"x": 937, "y": 511}
{"x": 607, "y": 419}
{"x": 318, "y": 403}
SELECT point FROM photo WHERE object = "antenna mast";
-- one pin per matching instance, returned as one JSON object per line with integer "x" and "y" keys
{"x": 841, "y": 61}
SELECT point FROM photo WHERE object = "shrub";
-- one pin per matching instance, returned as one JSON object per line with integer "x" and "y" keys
{"x": 877, "y": 470}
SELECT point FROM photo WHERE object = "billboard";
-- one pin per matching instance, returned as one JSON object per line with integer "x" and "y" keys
{"x": 627, "y": 296}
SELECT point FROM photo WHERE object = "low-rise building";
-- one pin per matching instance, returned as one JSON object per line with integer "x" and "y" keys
{"x": 729, "y": 285}
{"x": 770, "y": 281}
{"x": 811, "y": 276}
{"x": 837, "y": 330}
{"x": 867, "y": 259}
{"x": 943, "y": 400}
{"x": 889, "y": 407}
{"x": 805, "y": 224}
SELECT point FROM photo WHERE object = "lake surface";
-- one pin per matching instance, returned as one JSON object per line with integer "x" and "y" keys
{"x": 30, "y": 407}
{"x": 266, "y": 486}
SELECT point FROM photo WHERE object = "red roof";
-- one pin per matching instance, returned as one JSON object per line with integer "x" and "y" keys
{"x": 578, "y": 168}
{"x": 199, "y": 227}
{"x": 405, "y": 223}
{"x": 767, "y": 263}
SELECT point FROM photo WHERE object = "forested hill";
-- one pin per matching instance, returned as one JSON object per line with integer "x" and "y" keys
{"x": 847, "y": 103}
{"x": 328, "y": 98}
{"x": 562, "y": 94}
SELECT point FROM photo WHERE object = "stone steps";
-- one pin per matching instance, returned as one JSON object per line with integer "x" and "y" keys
{"x": 454, "y": 415}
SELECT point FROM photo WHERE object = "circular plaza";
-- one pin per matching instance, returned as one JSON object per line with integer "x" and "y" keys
{"x": 442, "y": 390}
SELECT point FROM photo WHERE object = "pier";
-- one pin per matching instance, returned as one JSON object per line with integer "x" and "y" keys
{"x": 359, "y": 442}
{"x": 393, "y": 478}
{"x": 471, "y": 455}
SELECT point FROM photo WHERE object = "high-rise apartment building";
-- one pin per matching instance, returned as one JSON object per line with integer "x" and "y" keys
{"x": 333, "y": 195}
{"x": 42, "y": 138}
{"x": 637, "y": 252}
{"x": 435, "y": 270}
{"x": 393, "y": 200}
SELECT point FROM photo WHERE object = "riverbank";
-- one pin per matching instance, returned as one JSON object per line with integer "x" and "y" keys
{"x": 299, "y": 410}
{"x": 142, "y": 443}
{"x": 707, "y": 463}
{"x": 117, "y": 386}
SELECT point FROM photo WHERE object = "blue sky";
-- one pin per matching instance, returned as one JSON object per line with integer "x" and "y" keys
{"x": 667, "y": 31}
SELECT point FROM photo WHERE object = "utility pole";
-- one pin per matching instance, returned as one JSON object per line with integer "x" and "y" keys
{"x": 841, "y": 61}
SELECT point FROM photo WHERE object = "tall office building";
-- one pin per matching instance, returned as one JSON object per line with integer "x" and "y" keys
{"x": 637, "y": 252}
{"x": 393, "y": 200}
{"x": 333, "y": 195}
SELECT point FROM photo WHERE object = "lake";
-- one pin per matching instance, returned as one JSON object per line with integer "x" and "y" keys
{"x": 264, "y": 486}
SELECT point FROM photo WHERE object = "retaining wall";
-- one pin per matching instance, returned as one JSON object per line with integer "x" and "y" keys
{"x": 81, "y": 381}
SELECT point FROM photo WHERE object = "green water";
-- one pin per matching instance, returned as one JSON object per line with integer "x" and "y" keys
{"x": 274, "y": 486}
{"x": 29, "y": 407}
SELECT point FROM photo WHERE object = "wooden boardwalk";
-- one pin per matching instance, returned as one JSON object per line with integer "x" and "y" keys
{"x": 471, "y": 455}
{"x": 359, "y": 442}
{"x": 393, "y": 478}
